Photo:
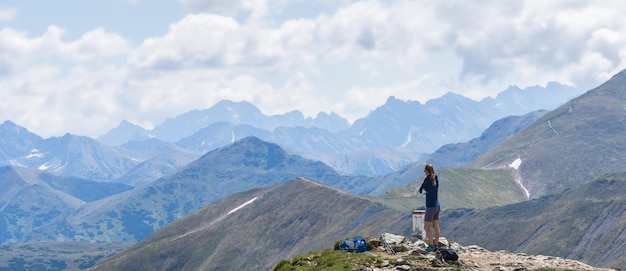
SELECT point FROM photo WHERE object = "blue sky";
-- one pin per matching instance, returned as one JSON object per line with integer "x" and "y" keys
{"x": 83, "y": 66}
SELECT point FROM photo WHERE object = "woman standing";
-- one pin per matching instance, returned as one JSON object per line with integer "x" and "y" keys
{"x": 430, "y": 187}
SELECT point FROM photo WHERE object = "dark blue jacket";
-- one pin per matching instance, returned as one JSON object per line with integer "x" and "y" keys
{"x": 432, "y": 192}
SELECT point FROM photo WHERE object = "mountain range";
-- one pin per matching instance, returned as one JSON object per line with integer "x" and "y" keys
{"x": 582, "y": 221}
{"x": 32, "y": 200}
{"x": 184, "y": 179}
{"x": 128, "y": 215}
{"x": 377, "y": 144}
{"x": 55, "y": 255}
{"x": 69, "y": 155}
{"x": 460, "y": 154}
{"x": 512, "y": 101}
{"x": 246, "y": 164}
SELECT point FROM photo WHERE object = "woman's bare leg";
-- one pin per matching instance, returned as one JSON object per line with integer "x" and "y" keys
{"x": 436, "y": 227}
{"x": 429, "y": 232}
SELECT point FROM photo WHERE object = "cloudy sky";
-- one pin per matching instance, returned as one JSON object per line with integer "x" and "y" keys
{"x": 82, "y": 66}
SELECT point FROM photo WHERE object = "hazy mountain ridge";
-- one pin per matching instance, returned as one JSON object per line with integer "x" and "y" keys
{"x": 156, "y": 167}
{"x": 363, "y": 148}
{"x": 82, "y": 157}
{"x": 156, "y": 158}
{"x": 517, "y": 100}
{"x": 219, "y": 134}
{"x": 246, "y": 164}
{"x": 68, "y": 155}
{"x": 124, "y": 133}
{"x": 460, "y": 154}
{"x": 15, "y": 141}
{"x": 55, "y": 255}
{"x": 238, "y": 113}
{"x": 409, "y": 125}
{"x": 32, "y": 200}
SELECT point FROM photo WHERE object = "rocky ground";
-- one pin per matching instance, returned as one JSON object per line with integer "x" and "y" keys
{"x": 410, "y": 255}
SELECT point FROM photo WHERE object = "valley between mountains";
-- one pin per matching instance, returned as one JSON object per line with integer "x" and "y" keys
{"x": 228, "y": 188}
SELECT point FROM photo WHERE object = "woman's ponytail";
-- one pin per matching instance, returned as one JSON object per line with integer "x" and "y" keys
{"x": 430, "y": 171}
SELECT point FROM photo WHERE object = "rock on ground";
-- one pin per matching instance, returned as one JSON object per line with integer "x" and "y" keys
{"x": 411, "y": 255}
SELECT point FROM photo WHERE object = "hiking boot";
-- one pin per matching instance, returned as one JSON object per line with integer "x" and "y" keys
{"x": 430, "y": 249}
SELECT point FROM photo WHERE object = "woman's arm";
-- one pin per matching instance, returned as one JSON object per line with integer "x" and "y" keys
{"x": 420, "y": 188}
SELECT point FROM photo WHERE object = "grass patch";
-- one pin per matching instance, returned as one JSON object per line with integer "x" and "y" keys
{"x": 328, "y": 260}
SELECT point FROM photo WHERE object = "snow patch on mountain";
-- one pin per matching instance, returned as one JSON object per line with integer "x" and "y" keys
{"x": 14, "y": 162}
{"x": 408, "y": 139}
{"x": 34, "y": 153}
{"x": 242, "y": 205}
{"x": 515, "y": 164}
{"x": 54, "y": 167}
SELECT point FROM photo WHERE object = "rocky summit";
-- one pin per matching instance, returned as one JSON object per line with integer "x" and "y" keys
{"x": 396, "y": 252}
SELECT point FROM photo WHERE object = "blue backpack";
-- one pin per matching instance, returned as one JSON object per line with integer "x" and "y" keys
{"x": 357, "y": 244}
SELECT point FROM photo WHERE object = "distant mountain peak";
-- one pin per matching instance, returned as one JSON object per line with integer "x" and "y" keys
{"x": 8, "y": 123}
{"x": 392, "y": 99}
{"x": 232, "y": 106}
{"x": 252, "y": 140}
{"x": 450, "y": 94}
{"x": 256, "y": 152}
{"x": 9, "y": 126}
{"x": 124, "y": 132}
{"x": 128, "y": 124}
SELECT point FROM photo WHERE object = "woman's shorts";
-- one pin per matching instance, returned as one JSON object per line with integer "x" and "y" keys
{"x": 432, "y": 213}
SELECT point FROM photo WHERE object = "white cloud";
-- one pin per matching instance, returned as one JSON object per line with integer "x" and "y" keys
{"x": 545, "y": 37}
{"x": 8, "y": 14}
{"x": 208, "y": 41}
{"x": 62, "y": 86}
{"x": 97, "y": 44}
{"x": 256, "y": 9}
{"x": 53, "y": 102}
{"x": 348, "y": 57}
{"x": 196, "y": 41}
{"x": 401, "y": 32}
{"x": 212, "y": 5}
{"x": 24, "y": 50}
